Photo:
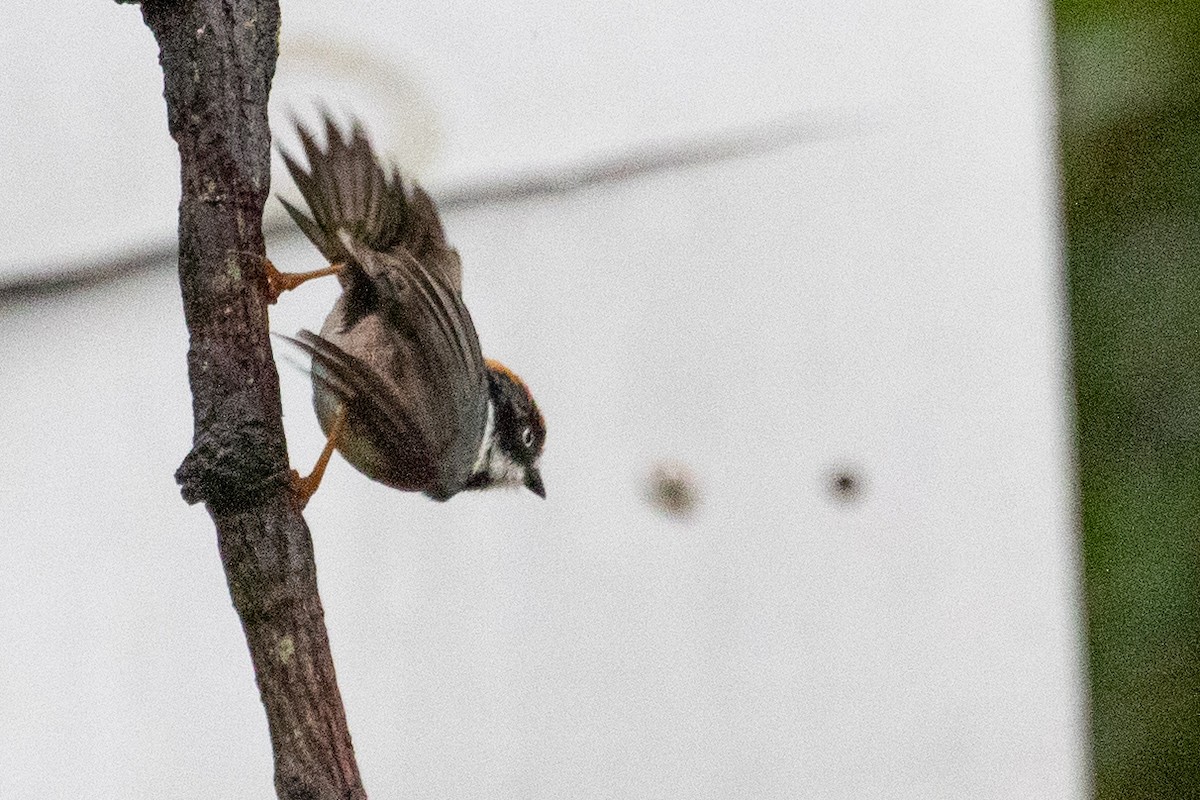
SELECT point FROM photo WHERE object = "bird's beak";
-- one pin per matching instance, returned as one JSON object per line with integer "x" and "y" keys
{"x": 533, "y": 482}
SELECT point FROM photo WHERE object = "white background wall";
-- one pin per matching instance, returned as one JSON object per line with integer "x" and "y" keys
{"x": 878, "y": 290}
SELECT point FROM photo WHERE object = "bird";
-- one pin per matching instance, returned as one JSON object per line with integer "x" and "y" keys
{"x": 400, "y": 386}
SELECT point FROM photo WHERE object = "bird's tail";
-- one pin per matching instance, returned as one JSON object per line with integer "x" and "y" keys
{"x": 347, "y": 189}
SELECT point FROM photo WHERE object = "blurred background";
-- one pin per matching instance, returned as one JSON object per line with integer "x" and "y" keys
{"x": 894, "y": 606}
{"x": 1130, "y": 130}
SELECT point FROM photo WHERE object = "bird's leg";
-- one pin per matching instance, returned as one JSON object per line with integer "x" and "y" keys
{"x": 304, "y": 488}
{"x": 280, "y": 282}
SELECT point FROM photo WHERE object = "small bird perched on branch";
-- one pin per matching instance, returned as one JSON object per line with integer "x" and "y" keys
{"x": 400, "y": 387}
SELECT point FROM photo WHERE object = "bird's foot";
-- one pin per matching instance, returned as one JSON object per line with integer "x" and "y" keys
{"x": 304, "y": 488}
{"x": 280, "y": 282}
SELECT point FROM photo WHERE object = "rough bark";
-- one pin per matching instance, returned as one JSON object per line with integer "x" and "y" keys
{"x": 218, "y": 58}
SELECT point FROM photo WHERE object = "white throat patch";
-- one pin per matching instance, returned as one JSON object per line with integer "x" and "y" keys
{"x": 503, "y": 470}
{"x": 500, "y": 467}
{"x": 485, "y": 444}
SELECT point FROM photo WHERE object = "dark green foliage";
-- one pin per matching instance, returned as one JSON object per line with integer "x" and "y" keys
{"x": 1130, "y": 84}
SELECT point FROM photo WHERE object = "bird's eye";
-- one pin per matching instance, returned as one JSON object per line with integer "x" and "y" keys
{"x": 527, "y": 436}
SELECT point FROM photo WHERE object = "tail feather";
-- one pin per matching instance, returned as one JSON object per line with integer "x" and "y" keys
{"x": 346, "y": 189}
{"x": 349, "y": 191}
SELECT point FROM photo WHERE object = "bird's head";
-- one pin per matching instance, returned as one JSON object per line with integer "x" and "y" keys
{"x": 516, "y": 435}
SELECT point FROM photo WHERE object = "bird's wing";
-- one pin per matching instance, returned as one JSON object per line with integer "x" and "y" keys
{"x": 373, "y": 403}
{"x": 419, "y": 306}
{"x": 424, "y": 239}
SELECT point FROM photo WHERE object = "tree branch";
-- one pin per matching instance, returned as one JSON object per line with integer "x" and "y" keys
{"x": 218, "y": 59}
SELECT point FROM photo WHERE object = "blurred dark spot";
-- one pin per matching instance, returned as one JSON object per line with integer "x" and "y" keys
{"x": 673, "y": 490}
{"x": 845, "y": 485}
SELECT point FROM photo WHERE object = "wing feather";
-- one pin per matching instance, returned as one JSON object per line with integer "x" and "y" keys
{"x": 401, "y": 268}
{"x": 419, "y": 306}
{"x": 383, "y": 416}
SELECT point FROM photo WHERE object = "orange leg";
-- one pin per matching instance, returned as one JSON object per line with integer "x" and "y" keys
{"x": 280, "y": 282}
{"x": 304, "y": 488}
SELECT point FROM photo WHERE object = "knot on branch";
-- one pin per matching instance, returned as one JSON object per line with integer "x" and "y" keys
{"x": 232, "y": 466}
